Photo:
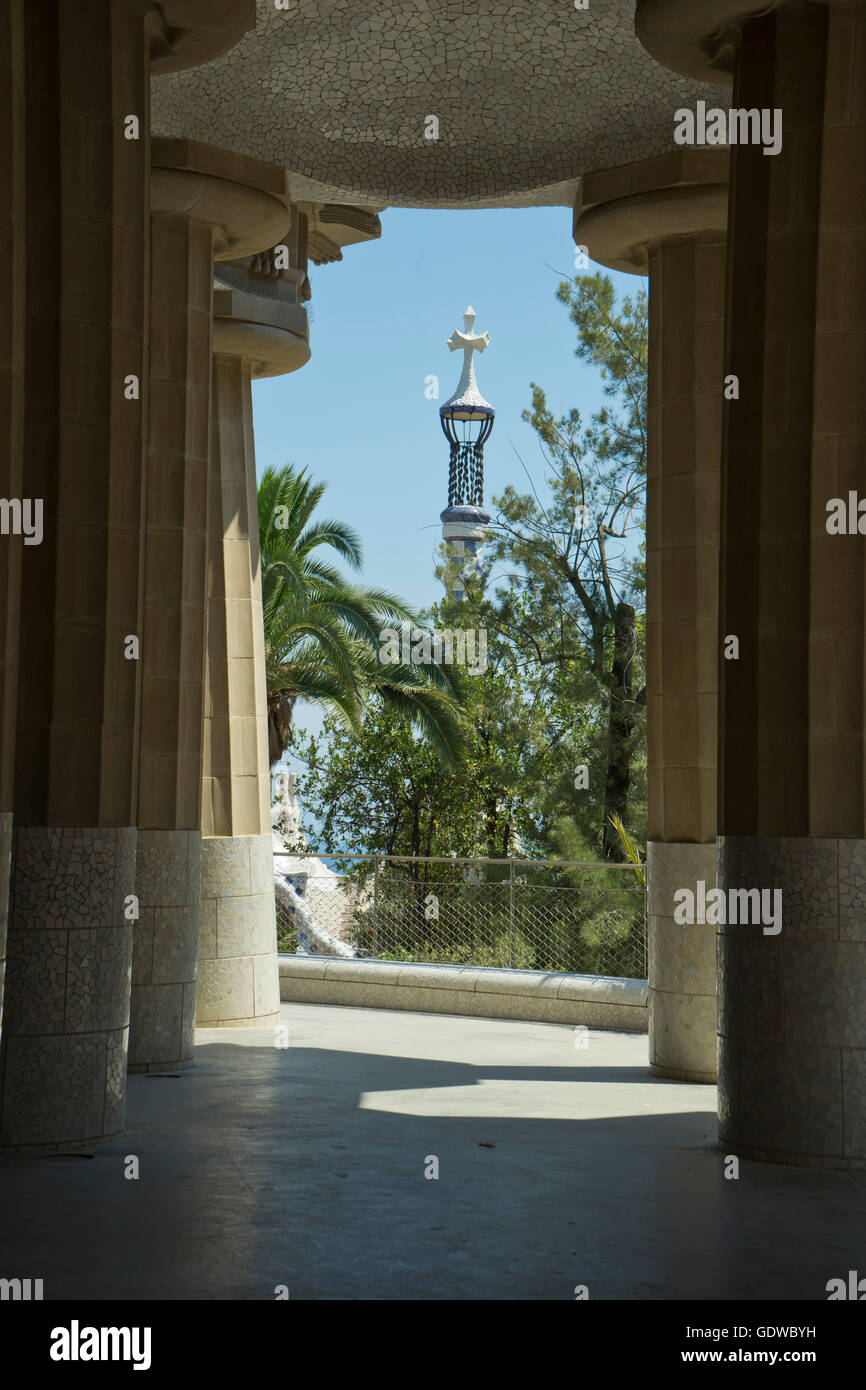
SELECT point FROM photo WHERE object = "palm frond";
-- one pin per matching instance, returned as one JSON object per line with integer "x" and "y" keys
{"x": 322, "y": 634}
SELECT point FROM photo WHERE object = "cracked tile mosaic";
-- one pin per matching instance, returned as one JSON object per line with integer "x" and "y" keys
{"x": 792, "y": 1007}
{"x": 69, "y": 967}
{"x": 339, "y": 92}
{"x": 165, "y": 961}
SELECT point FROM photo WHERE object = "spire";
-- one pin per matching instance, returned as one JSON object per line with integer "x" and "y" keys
{"x": 467, "y": 420}
{"x": 467, "y": 400}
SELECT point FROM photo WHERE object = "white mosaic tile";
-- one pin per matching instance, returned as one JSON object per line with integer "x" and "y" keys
{"x": 527, "y": 96}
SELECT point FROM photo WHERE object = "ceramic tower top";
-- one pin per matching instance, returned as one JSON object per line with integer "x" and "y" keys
{"x": 467, "y": 403}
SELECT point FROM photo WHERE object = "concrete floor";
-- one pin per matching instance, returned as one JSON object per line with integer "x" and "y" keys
{"x": 304, "y": 1167}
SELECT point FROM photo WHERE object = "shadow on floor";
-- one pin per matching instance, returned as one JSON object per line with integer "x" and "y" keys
{"x": 305, "y": 1167}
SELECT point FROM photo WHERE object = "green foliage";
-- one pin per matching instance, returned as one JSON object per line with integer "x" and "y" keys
{"x": 287, "y": 935}
{"x": 322, "y": 633}
{"x": 573, "y": 553}
{"x": 384, "y": 789}
{"x": 632, "y": 853}
{"x": 493, "y": 953}
{"x": 563, "y": 689}
{"x": 564, "y": 684}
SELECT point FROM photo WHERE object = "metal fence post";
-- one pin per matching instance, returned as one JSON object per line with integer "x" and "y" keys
{"x": 376, "y": 866}
{"x": 510, "y": 914}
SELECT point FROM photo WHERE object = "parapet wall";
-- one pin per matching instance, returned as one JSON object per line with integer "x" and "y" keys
{"x": 530, "y": 995}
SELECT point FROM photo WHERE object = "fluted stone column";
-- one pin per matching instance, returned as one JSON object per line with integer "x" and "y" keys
{"x": 64, "y": 1047}
{"x": 205, "y": 204}
{"x": 261, "y": 334}
{"x": 63, "y": 1058}
{"x": 792, "y": 809}
{"x": 12, "y": 270}
{"x": 238, "y": 981}
{"x": 666, "y": 217}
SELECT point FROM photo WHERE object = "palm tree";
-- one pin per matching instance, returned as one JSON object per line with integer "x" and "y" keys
{"x": 322, "y": 632}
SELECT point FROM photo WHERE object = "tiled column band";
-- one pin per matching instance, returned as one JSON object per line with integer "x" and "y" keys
{"x": 238, "y": 981}
{"x": 162, "y": 1019}
{"x": 682, "y": 966}
{"x": 792, "y": 1006}
{"x": 63, "y": 1054}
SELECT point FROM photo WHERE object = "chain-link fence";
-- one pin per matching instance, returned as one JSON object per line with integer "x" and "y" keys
{"x": 587, "y": 918}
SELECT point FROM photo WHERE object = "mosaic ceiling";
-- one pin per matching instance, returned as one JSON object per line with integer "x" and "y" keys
{"x": 455, "y": 103}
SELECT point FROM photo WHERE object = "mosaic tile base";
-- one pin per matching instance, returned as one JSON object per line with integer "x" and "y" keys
{"x": 65, "y": 1036}
{"x": 792, "y": 1006}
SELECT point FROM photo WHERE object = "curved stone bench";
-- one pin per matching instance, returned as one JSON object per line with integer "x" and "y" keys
{"x": 531, "y": 995}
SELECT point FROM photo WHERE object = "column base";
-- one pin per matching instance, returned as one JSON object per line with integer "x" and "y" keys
{"x": 165, "y": 950}
{"x": 792, "y": 1160}
{"x": 682, "y": 967}
{"x": 238, "y": 979}
{"x": 63, "y": 1053}
{"x": 700, "y": 1078}
{"x": 71, "y": 1146}
{"x": 792, "y": 1004}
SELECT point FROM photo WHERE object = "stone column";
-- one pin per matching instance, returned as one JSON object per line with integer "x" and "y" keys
{"x": 792, "y": 809}
{"x": 205, "y": 204}
{"x": 793, "y": 1006}
{"x": 260, "y": 328}
{"x": 88, "y": 64}
{"x": 666, "y": 217}
{"x": 12, "y": 269}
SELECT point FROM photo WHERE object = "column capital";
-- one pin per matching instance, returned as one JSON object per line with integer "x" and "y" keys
{"x": 259, "y": 299}
{"x": 621, "y": 214}
{"x": 696, "y": 40}
{"x": 258, "y": 315}
{"x": 245, "y": 201}
{"x": 335, "y": 225}
{"x": 699, "y": 39}
{"x": 271, "y": 350}
{"x": 186, "y": 33}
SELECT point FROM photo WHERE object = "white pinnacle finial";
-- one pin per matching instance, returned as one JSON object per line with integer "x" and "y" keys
{"x": 467, "y": 392}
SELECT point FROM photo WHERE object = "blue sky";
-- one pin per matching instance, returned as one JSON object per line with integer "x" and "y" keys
{"x": 356, "y": 415}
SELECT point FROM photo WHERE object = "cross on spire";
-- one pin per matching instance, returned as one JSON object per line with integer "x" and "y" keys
{"x": 467, "y": 388}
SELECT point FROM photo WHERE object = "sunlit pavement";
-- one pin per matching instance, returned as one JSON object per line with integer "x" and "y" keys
{"x": 304, "y": 1166}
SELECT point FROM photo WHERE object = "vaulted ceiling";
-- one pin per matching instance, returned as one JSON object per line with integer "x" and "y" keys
{"x": 528, "y": 95}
